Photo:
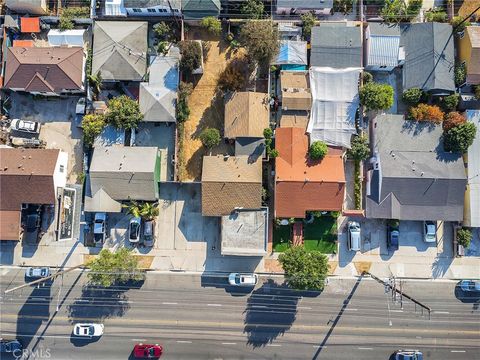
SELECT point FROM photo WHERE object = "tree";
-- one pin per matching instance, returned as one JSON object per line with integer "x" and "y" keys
{"x": 308, "y": 20}
{"x": 457, "y": 24}
{"x": 260, "y": 38}
{"x": 210, "y": 137}
{"x": 375, "y": 96}
{"x": 343, "y": 6}
{"x": 184, "y": 91}
{"x": 412, "y": 96}
{"x": 254, "y": 9}
{"x": 476, "y": 91}
{"x": 460, "y": 74}
{"x": 450, "y": 102}
{"x": 318, "y": 150}
{"x": 111, "y": 268}
{"x": 367, "y": 77}
{"x": 360, "y": 148}
{"x": 123, "y": 113}
{"x": 413, "y": 9}
{"x": 464, "y": 237}
{"x": 65, "y": 23}
{"x": 459, "y": 138}
{"x": 231, "y": 79}
{"x": 304, "y": 270}
{"x": 267, "y": 133}
{"x": 452, "y": 120}
{"x": 212, "y": 25}
{"x": 425, "y": 112}
{"x": 92, "y": 126}
{"x": 436, "y": 16}
{"x": 162, "y": 30}
{"x": 191, "y": 55}
{"x": 95, "y": 81}
{"x": 394, "y": 11}
{"x": 145, "y": 210}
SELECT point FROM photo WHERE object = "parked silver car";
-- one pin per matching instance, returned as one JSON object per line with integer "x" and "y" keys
{"x": 37, "y": 272}
{"x": 31, "y": 127}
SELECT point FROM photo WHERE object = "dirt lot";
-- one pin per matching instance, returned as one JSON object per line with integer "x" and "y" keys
{"x": 206, "y": 106}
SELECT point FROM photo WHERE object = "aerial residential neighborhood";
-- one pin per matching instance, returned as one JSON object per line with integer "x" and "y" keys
{"x": 239, "y": 179}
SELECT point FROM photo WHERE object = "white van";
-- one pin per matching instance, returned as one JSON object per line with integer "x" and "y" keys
{"x": 354, "y": 239}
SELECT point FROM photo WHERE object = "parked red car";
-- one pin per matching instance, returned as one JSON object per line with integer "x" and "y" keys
{"x": 147, "y": 351}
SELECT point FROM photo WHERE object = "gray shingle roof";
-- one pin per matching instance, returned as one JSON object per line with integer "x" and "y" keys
{"x": 198, "y": 9}
{"x": 336, "y": 45}
{"x": 429, "y": 57}
{"x": 416, "y": 179}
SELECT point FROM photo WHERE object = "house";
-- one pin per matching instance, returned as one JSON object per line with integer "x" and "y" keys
{"x": 382, "y": 47}
{"x": 119, "y": 174}
{"x": 298, "y": 7}
{"x": 34, "y": 7}
{"x": 199, "y": 9}
{"x": 472, "y": 195}
{"x": 244, "y": 232}
{"x": 294, "y": 119}
{"x": 252, "y": 147}
{"x": 45, "y": 70}
{"x": 296, "y": 93}
{"x": 429, "y": 57}
{"x": 302, "y": 185}
{"x": 469, "y": 53}
{"x": 162, "y": 8}
{"x": 28, "y": 177}
{"x": 246, "y": 114}
{"x": 335, "y": 103}
{"x": 292, "y": 55}
{"x": 158, "y": 96}
{"x": 229, "y": 183}
{"x": 336, "y": 45}
{"x": 412, "y": 176}
{"x": 120, "y": 50}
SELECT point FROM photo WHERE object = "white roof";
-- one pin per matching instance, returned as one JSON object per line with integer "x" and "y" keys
{"x": 335, "y": 102}
{"x": 67, "y": 37}
{"x": 292, "y": 52}
{"x": 474, "y": 171}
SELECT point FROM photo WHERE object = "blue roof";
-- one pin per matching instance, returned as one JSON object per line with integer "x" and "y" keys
{"x": 292, "y": 52}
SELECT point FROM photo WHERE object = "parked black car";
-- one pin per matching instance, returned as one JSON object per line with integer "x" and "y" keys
{"x": 393, "y": 235}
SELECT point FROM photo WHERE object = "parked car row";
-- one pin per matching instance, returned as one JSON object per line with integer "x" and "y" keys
{"x": 141, "y": 233}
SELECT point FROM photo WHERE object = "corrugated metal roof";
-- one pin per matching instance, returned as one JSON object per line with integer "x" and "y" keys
{"x": 383, "y": 50}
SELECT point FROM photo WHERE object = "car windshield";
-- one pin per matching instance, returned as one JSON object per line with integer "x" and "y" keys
{"x": 237, "y": 279}
{"x": 151, "y": 351}
{"x": 27, "y": 125}
{"x": 91, "y": 330}
{"x": 133, "y": 230}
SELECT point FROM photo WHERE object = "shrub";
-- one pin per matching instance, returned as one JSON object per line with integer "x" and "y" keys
{"x": 464, "y": 237}
{"x": 92, "y": 126}
{"x": 76, "y": 12}
{"x": 231, "y": 79}
{"x": 452, "y": 120}
{"x": 343, "y": 6}
{"x": 367, "y": 77}
{"x": 360, "y": 149}
{"x": 191, "y": 55}
{"x": 254, "y": 9}
{"x": 210, "y": 137}
{"x": 450, "y": 102}
{"x": 459, "y": 138}
{"x": 476, "y": 91}
{"x": 393, "y": 11}
{"x": 212, "y": 25}
{"x": 425, "y": 112}
{"x": 318, "y": 150}
{"x": 457, "y": 24}
{"x": 268, "y": 133}
{"x": 183, "y": 111}
{"x": 413, "y": 9}
{"x": 65, "y": 23}
{"x": 357, "y": 187}
{"x": 123, "y": 113}
{"x": 308, "y": 21}
{"x": 273, "y": 153}
{"x": 260, "y": 38}
{"x": 436, "y": 16}
{"x": 162, "y": 30}
{"x": 375, "y": 96}
{"x": 460, "y": 74}
{"x": 412, "y": 96}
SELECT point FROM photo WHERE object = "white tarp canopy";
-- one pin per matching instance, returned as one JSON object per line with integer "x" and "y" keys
{"x": 67, "y": 37}
{"x": 292, "y": 52}
{"x": 335, "y": 102}
{"x": 473, "y": 216}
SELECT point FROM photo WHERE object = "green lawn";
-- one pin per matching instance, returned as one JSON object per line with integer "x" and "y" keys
{"x": 281, "y": 237}
{"x": 321, "y": 235}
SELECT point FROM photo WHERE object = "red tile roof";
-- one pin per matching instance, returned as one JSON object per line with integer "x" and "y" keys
{"x": 302, "y": 185}
{"x": 30, "y": 25}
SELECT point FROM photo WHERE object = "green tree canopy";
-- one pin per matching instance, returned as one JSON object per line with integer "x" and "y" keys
{"x": 145, "y": 210}
{"x": 412, "y": 96}
{"x": 460, "y": 138}
{"x": 254, "y": 9}
{"x": 92, "y": 126}
{"x": 123, "y": 112}
{"x": 210, "y": 137}
{"x": 304, "y": 270}
{"x": 375, "y": 96}
{"x": 450, "y": 102}
{"x": 360, "y": 149}
{"x": 183, "y": 110}
{"x": 317, "y": 150}
{"x": 260, "y": 38}
{"x": 343, "y": 6}
{"x": 464, "y": 237}
{"x": 308, "y": 21}
{"x": 191, "y": 55}
{"x": 110, "y": 268}
{"x": 212, "y": 25}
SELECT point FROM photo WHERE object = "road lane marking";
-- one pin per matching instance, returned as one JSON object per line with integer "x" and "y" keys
{"x": 278, "y": 345}
{"x": 214, "y": 304}
{"x": 227, "y": 343}
{"x": 457, "y": 351}
{"x": 36, "y": 336}
{"x": 184, "y": 342}
{"x": 397, "y": 311}
{"x": 169, "y": 303}
{"x": 441, "y": 312}
{"x": 139, "y": 339}
{"x": 351, "y": 309}
{"x": 305, "y": 307}
{"x": 365, "y": 348}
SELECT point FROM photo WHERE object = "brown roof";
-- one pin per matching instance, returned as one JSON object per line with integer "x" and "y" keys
{"x": 296, "y": 93}
{"x": 301, "y": 184}
{"x": 294, "y": 119}
{"x": 48, "y": 69}
{"x": 473, "y": 71}
{"x": 246, "y": 115}
{"x": 10, "y": 225}
{"x": 229, "y": 183}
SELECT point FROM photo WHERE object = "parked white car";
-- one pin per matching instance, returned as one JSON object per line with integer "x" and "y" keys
{"x": 37, "y": 272}
{"x": 237, "y": 279}
{"x": 430, "y": 231}
{"x": 88, "y": 330}
{"x": 354, "y": 239}
{"x": 31, "y": 127}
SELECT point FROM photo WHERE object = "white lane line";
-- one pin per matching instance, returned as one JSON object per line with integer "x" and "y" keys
{"x": 441, "y": 312}
{"x": 349, "y": 309}
{"x": 365, "y": 348}
{"x": 214, "y": 304}
{"x": 124, "y": 301}
{"x": 227, "y": 343}
{"x": 139, "y": 339}
{"x": 169, "y": 303}
{"x": 398, "y": 311}
{"x": 37, "y": 336}
{"x": 457, "y": 351}
{"x": 305, "y": 307}
{"x": 184, "y": 342}
{"x": 278, "y": 345}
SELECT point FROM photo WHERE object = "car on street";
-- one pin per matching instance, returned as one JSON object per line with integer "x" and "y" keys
{"x": 100, "y": 227}
{"x": 470, "y": 285}
{"x": 408, "y": 355}
{"x": 88, "y": 330}
{"x": 354, "y": 238}
{"x": 37, "y": 272}
{"x": 134, "y": 230}
{"x": 237, "y": 279}
{"x": 25, "y": 126}
{"x": 9, "y": 346}
{"x": 430, "y": 231}
{"x": 149, "y": 233}
{"x": 147, "y": 351}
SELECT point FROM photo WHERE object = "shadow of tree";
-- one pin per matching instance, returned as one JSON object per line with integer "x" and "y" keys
{"x": 440, "y": 266}
{"x": 271, "y": 311}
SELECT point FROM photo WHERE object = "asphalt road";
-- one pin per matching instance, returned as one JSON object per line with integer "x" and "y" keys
{"x": 203, "y": 318}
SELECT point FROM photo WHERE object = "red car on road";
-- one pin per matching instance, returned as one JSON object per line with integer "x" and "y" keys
{"x": 147, "y": 351}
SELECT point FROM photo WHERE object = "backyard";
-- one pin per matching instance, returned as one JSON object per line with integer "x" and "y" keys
{"x": 320, "y": 235}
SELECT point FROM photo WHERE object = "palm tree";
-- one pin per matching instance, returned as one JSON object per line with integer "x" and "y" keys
{"x": 149, "y": 211}
{"x": 133, "y": 208}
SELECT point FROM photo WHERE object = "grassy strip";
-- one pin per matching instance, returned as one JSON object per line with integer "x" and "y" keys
{"x": 357, "y": 186}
